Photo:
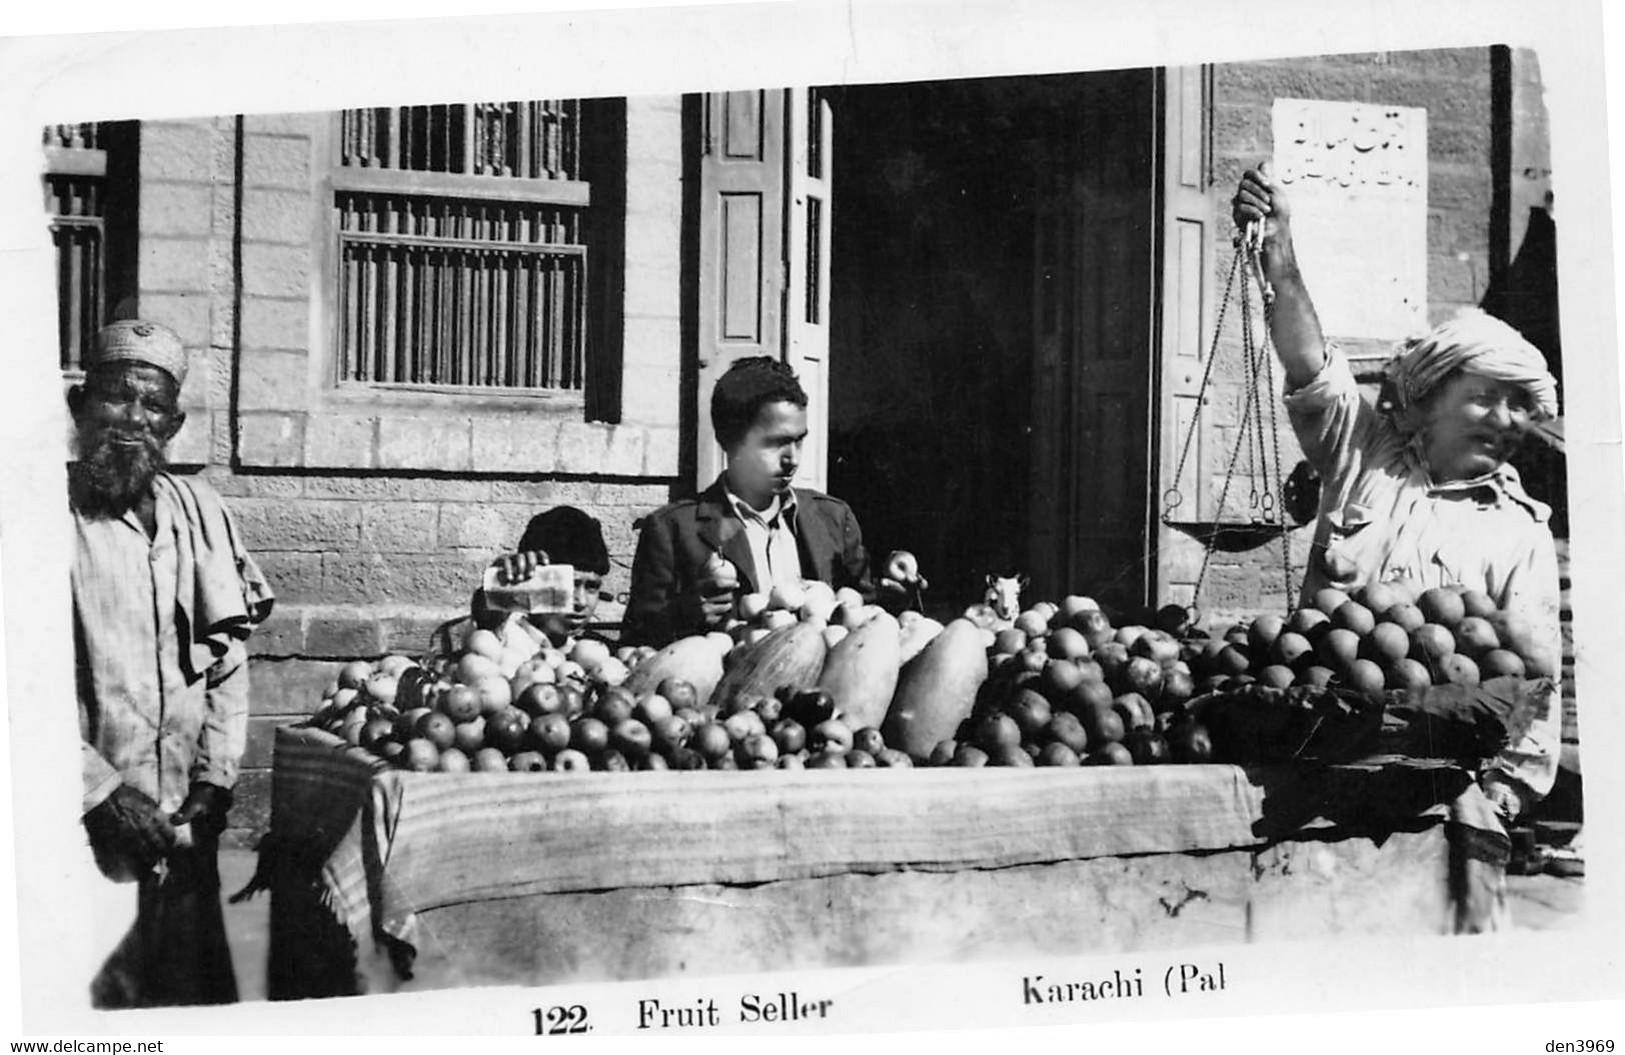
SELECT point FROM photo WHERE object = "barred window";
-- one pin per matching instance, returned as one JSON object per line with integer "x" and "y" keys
{"x": 463, "y": 250}
{"x": 90, "y": 195}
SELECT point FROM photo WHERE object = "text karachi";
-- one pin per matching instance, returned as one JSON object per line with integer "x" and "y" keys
{"x": 1035, "y": 990}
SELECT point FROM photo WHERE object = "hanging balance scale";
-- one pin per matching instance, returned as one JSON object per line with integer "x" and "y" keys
{"x": 1257, "y": 449}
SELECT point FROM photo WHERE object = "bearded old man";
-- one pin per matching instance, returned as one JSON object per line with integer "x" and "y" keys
{"x": 1416, "y": 485}
{"x": 164, "y": 598}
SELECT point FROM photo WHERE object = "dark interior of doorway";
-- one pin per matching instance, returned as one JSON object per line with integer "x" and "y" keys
{"x": 931, "y": 320}
{"x": 939, "y": 188}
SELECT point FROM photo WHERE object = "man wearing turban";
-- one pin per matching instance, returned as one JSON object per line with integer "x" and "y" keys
{"x": 1416, "y": 488}
{"x": 164, "y": 598}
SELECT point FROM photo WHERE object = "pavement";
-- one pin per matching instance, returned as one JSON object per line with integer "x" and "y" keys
{"x": 1538, "y": 902}
{"x": 248, "y": 925}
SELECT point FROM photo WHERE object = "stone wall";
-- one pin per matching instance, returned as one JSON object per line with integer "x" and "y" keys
{"x": 372, "y": 512}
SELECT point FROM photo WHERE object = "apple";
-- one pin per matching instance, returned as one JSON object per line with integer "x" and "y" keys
{"x": 354, "y": 674}
{"x": 775, "y": 619}
{"x": 1189, "y": 742}
{"x": 420, "y": 756}
{"x": 1065, "y": 728}
{"x": 548, "y": 732}
{"x": 720, "y": 572}
{"x": 902, "y": 566}
{"x": 1112, "y": 754}
{"x": 571, "y": 761}
{"x": 711, "y": 740}
{"x": 832, "y": 734}
{"x": 490, "y": 760}
{"x": 539, "y": 698}
{"x": 527, "y": 762}
{"x": 615, "y": 704}
{"x": 438, "y": 729}
{"x": 869, "y": 739}
{"x": 495, "y": 693}
{"x": 373, "y": 731}
{"x": 969, "y": 757}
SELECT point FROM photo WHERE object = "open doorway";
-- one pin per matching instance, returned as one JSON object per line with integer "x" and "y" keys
{"x": 992, "y": 314}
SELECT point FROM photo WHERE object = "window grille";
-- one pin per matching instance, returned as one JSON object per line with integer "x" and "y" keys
{"x": 75, "y": 197}
{"x": 462, "y": 245}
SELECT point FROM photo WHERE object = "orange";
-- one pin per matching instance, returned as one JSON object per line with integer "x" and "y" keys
{"x": 1477, "y": 603}
{"x": 1499, "y": 662}
{"x": 1386, "y": 643}
{"x": 1330, "y": 599}
{"x": 1457, "y": 669}
{"x": 1407, "y": 674}
{"x": 1443, "y": 606}
{"x": 1316, "y": 677}
{"x": 1430, "y": 643}
{"x": 1404, "y": 615}
{"x": 1276, "y": 676}
{"x": 1364, "y": 676}
{"x": 1354, "y": 616}
{"x": 1264, "y": 632}
{"x": 1308, "y": 622}
{"x": 1475, "y": 636}
{"x": 1381, "y": 596}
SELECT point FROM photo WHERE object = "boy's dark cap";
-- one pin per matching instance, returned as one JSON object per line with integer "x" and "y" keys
{"x": 568, "y": 536}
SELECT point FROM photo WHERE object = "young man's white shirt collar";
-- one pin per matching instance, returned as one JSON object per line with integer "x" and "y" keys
{"x": 771, "y": 534}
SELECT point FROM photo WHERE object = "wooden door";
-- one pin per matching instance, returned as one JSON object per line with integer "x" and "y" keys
{"x": 1187, "y": 255}
{"x": 742, "y": 275}
{"x": 1093, "y": 349}
{"x": 807, "y": 238}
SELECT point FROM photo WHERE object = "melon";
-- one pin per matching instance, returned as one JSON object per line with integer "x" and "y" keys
{"x": 695, "y": 660}
{"x": 791, "y": 655}
{"x": 937, "y": 689}
{"x": 861, "y": 671}
{"x": 916, "y": 635}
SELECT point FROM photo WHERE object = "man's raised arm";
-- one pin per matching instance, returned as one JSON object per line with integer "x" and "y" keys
{"x": 1294, "y": 327}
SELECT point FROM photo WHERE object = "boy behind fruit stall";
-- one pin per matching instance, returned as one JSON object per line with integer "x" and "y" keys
{"x": 751, "y": 530}
{"x": 561, "y": 535}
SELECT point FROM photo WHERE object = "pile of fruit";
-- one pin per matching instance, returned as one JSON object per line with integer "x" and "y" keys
{"x": 1386, "y": 636}
{"x": 816, "y": 678}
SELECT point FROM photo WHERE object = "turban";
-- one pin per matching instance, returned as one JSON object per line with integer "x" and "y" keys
{"x": 131, "y": 340}
{"x": 1477, "y": 343}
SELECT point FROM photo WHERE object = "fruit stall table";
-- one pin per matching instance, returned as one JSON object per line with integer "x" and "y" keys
{"x": 383, "y": 879}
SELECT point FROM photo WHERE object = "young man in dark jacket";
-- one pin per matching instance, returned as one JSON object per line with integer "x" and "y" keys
{"x": 750, "y": 530}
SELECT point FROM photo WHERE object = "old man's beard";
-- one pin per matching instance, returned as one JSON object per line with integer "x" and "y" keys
{"x": 116, "y": 470}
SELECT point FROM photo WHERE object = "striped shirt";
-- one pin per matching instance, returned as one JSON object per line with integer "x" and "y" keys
{"x": 159, "y": 632}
